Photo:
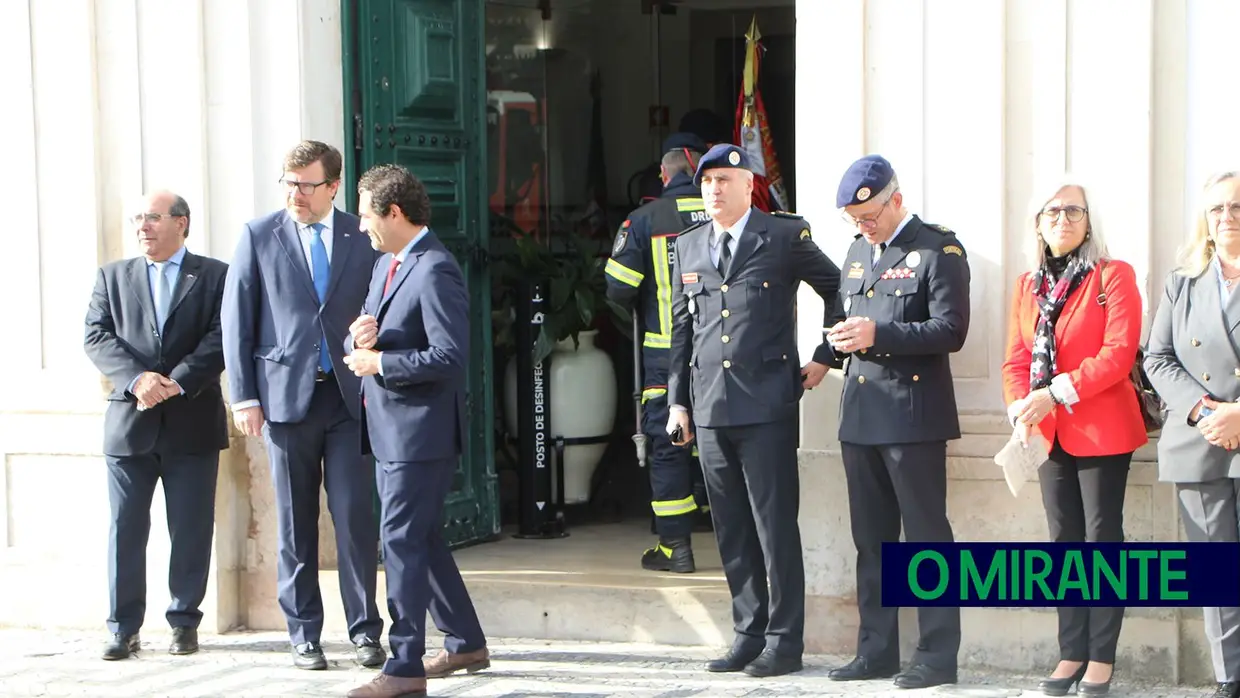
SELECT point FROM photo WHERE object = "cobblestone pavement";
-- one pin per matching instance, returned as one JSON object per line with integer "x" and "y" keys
{"x": 34, "y": 663}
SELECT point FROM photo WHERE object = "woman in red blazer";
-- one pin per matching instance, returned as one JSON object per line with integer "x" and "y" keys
{"x": 1073, "y": 335}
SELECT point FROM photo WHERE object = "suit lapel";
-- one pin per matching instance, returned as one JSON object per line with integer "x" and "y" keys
{"x": 185, "y": 280}
{"x": 1206, "y": 298}
{"x": 1231, "y": 311}
{"x": 342, "y": 245}
{"x": 750, "y": 241}
{"x": 402, "y": 272}
{"x": 291, "y": 242}
{"x": 896, "y": 251}
{"x": 140, "y": 284}
{"x": 701, "y": 249}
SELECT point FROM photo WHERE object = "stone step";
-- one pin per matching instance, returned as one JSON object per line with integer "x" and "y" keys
{"x": 587, "y": 586}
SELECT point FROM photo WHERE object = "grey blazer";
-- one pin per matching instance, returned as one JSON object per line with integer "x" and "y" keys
{"x": 1193, "y": 351}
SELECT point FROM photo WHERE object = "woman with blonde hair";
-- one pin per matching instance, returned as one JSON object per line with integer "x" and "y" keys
{"x": 1193, "y": 361}
{"x": 1073, "y": 335}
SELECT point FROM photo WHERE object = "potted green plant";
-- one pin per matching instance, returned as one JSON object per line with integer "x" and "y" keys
{"x": 579, "y": 377}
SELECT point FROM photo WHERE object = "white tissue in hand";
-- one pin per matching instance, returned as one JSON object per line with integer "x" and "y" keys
{"x": 1020, "y": 463}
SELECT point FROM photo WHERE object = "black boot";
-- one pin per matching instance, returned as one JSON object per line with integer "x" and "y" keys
{"x": 670, "y": 555}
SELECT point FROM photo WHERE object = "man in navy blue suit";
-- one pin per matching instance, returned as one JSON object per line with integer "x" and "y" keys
{"x": 297, "y": 279}
{"x": 411, "y": 347}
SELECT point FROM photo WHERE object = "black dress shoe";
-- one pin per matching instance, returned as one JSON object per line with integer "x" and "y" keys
{"x": 370, "y": 653}
{"x": 736, "y": 659}
{"x": 771, "y": 664}
{"x": 1231, "y": 689}
{"x": 309, "y": 655}
{"x": 121, "y": 646}
{"x": 862, "y": 669}
{"x": 1060, "y": 687}
{"x": 1089, "y": 688}
{"x": 184, "y": 641}
{"x": 924, "y": 676}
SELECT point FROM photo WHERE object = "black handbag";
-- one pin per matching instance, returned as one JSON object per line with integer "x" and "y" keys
{"x": 1153, "y": 409}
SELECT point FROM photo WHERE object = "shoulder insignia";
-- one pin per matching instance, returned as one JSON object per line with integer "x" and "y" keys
{"x": 786, "y": 214}
{"x": 805, "y": 234}
{"x": 942, "y": 229}
{"x": 622, "y": 238}
{"x": 953, "y": 249}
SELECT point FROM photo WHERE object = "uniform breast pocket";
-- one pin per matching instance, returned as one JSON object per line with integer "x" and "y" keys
{"x": 904, "y": 297}
{"x": 849, "y": 290}
{"x": 697, "y": 300}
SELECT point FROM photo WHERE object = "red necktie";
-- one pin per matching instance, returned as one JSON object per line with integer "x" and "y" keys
{"x": 391, "y": 273}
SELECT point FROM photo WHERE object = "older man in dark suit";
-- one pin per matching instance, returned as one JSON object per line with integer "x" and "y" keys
{"x": 297, "y": 279}
{"x": 153, "y": 328}
{"x": 411, "y": 345}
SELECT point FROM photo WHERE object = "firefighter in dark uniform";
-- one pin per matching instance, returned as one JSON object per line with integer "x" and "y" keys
{"x": 639, "y": 277}
{"x": 904, "y": 309}
{"x": 735, "y": 376}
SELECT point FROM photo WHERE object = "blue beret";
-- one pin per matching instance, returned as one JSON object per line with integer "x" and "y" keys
{"x": 863, "y": 179}
{"x": 722, "y": 155}
{"x": 676, "y": 141}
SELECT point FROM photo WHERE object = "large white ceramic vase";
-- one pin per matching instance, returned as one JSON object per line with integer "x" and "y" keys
{"x": 582, "y": 382}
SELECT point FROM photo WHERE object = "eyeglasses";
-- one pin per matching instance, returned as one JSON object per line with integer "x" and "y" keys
{"x": 1074, "y": 213}
{"x": 306, "y": 188}
{"x": 1216, "y": 211}
{"x": 152, "y": 218}
{"x": 868, "y": 220}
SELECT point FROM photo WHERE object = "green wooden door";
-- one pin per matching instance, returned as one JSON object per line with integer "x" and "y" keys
{"x": 415, "y": 86}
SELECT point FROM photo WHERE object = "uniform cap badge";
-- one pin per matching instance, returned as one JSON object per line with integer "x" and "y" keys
{"x": 734, "y": 158}
{"x": 863, "y": 193}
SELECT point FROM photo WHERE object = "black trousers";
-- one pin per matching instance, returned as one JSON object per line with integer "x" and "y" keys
{"x": 674, "y": 474}
{"x": 889, "y": 485}
{"x": 189, "y": 498}
{"x": 1084, "y": 501}
{"x": 323, "y": 451}
{"x": 754, "y": 490}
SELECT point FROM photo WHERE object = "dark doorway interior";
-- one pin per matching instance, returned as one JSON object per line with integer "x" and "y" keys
{"x": 580, "y": 97}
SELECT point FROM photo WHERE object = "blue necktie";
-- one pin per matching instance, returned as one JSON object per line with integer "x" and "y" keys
{"x": 162, "y": 294}
{"x": 321, "y": 271}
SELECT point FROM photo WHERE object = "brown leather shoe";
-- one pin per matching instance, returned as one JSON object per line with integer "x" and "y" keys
{"x": 388, "y": 686}
{"x": 447, "y": 664}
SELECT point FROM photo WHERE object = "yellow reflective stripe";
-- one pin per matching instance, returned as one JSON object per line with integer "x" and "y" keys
{"x": 674, "y": 508}
{"x": 652, "y": 393}
{"x": 623, "y": 274}
{"x": 663, "y": 281}
{"x": 690, "y": 205}
{"x": 658, "y": 341}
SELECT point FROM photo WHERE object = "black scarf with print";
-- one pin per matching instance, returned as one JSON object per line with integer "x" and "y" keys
{"x": 1053, "y": 283}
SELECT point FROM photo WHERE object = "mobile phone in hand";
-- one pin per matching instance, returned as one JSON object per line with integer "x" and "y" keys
{"x": 678, "y": 434}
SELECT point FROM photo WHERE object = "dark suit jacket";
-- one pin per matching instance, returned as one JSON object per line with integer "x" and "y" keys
{"x": 415, "y": 411}
{"x": 901, "y": 389}
{"x": 734, "y": 353}
{"x": 123, "y": 341}
{"x": 272, "y": 319}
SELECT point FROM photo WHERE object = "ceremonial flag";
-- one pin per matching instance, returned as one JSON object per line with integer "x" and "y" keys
{"x": 753, "y": 131}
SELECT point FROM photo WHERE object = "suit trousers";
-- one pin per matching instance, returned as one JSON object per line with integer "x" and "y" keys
{"x": 189, "y": 500}
{"x": 1084, "y": 502}
{"x": 421, "y": 574}
{"x": 1209, "y": 512}
{"x": 323, "y": 450}
{"x": 889, "y": 485}
{"x": 754, "y": 490}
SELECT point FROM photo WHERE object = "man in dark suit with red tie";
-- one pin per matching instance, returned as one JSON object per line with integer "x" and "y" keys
{"x": 411, "y": 346}
{"x": 153, "y": 329}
